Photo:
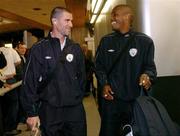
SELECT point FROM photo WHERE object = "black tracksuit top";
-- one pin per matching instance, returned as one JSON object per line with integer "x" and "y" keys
{"x": 136, "y": 60}
{"x": 53, "y": 76}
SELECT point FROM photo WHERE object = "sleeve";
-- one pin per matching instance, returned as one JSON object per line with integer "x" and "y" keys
{"x": 100, "y": 69}
{"x": 2, "y": 60}
{"x": 82, "y": 74}
{"x": 1, "y": 84}
{"x": 16, "y": 56}
{"x": 150, "y": 67}
{"x": 29, "y": 96}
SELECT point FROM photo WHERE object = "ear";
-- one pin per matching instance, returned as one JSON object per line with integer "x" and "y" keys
{"x": 54, "y": 21}
{"x": 127, "y": 17}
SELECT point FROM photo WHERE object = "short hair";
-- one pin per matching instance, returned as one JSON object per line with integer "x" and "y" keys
{"x": 20, "y": 43}
{"x": 58, "y": 11}
{"x": 128, "y": 10}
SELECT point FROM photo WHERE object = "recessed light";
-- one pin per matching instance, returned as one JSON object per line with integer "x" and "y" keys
{"x": 36, "y": 9}
{"x": 44, "y": 14}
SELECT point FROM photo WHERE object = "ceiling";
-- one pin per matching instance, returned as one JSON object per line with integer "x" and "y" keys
{"x": 26, "y": 14}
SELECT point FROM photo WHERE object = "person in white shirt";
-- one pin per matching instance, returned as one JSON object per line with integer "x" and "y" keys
{"x": 10, "y": 99}
{"x": 13, "y": 60}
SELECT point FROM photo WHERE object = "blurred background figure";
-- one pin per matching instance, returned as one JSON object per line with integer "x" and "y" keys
{"x": 10, "y": 100}
{"x": 21, "y": 49}
{"x": 89, "y": 69}
{"x": 3, "y": 63}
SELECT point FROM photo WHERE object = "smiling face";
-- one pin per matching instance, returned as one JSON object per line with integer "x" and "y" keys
{"x": 64, "y": 24}
{"x": 21, "y": 49}
{"x": 121, "y": 17}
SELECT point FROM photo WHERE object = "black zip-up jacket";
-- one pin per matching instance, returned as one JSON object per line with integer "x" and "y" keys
{"x": 53, "y": 76}
{"x": 136, "y": 60}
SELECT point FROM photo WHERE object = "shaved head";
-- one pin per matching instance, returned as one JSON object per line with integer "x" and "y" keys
{"x": 125, "y": 9}
{"x": 58, "y": 11}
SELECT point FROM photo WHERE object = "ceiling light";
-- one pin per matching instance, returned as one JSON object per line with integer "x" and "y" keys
{"x": 93, "y": 19}
{"x": 44, "y": 14}
{"x": 106, "y": 7}
{"x": 98, "y": 5}
{"x": 93, "y": 4}
{"x": 99, "y": 18}
{"x": 9, "y": 45}
{"x": 36, "y": 9}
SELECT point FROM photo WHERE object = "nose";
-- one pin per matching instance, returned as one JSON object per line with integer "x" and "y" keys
{"x": 70, "y": 24}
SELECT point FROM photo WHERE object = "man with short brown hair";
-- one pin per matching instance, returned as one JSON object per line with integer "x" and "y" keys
{"x": 54, "y": 81}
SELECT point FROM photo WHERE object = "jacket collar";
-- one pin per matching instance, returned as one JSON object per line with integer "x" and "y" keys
{"x": 127, "y": 34}
{"x": 55, "y": 41}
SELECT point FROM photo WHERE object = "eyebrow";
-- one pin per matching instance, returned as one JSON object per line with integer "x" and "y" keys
{"x": 68, "y": 19}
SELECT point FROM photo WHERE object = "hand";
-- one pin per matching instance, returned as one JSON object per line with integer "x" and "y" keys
{"x": 7, "y": 85}
{"x": 33, "y": 123}
{"x": 107, "y": 92}
{"x": 145, "y": 81}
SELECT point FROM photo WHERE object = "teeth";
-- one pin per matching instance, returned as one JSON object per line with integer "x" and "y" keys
{"x": 114, "y": 22}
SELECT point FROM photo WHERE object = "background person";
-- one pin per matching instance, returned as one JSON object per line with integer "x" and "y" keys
{"x": 10, "y": 100}
{"x": 21, "y": 50}
{"x": 3, "y": 63}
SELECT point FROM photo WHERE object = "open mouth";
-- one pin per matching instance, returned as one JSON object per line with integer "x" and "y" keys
{"x": 113, "y": 22}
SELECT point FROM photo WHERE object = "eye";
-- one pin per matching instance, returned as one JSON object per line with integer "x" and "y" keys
{"x": 68, "y": 20}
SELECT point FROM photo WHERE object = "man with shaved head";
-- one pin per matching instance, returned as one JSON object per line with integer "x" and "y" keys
{"x": 124, "y": 64}
{"x": 54, "y": 81}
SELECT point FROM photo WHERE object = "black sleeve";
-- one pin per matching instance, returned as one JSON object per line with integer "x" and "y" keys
{"x": 2, "y": 60}
{"x": 150, "y": 67}
{"x": 100, "y": 69}
{"x": 29, "y": 96}
{"x": 1, "y": 84}
{"x": 81, "y": 67}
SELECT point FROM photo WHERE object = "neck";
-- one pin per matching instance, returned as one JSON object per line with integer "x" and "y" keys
{"x": 125, "y": 29}
{"x": 56, "y": 34}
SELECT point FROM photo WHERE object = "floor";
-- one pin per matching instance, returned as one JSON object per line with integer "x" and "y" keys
{"x": 93, "y": 119}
